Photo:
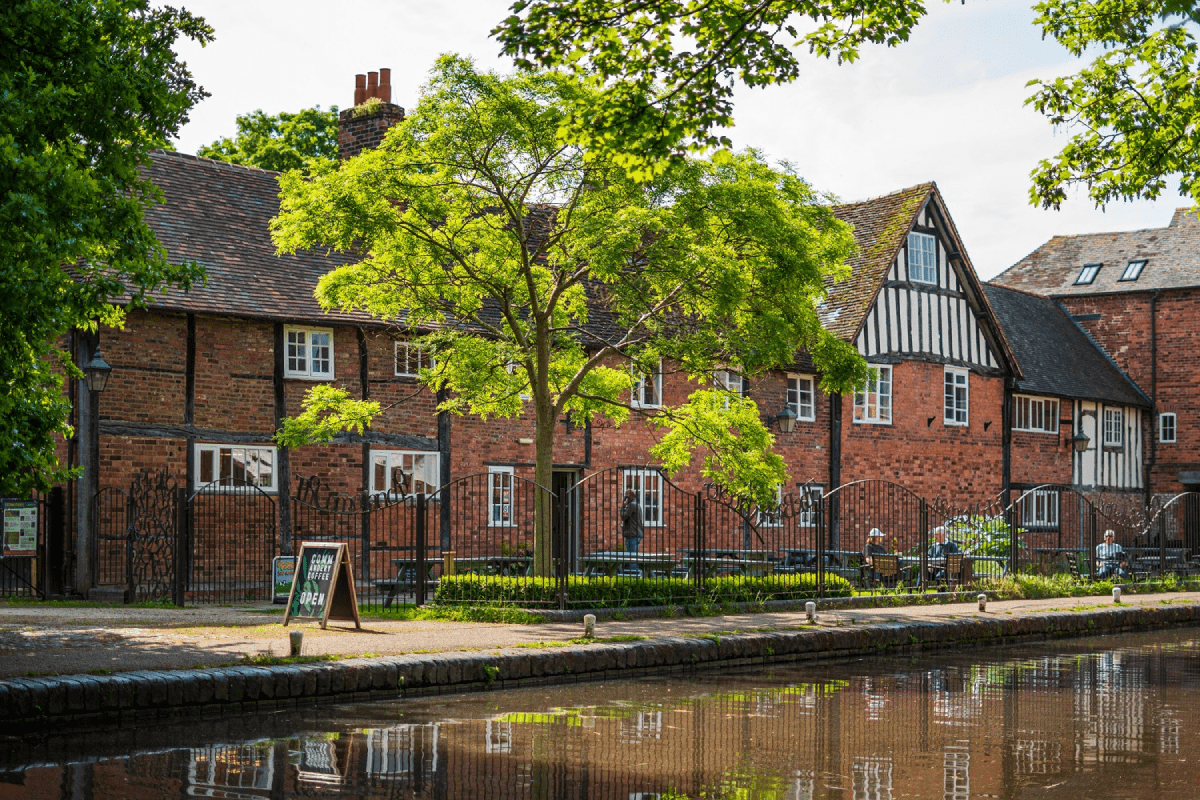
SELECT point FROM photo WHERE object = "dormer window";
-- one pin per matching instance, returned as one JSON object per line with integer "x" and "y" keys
{"x": 1088, "y": 274}
{"x": 1132, "y": 270}
{"x": 922, "y": 258}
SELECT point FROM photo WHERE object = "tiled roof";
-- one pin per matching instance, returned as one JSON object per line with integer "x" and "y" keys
{"x": 1172, "y": 257}
{"x": 218, "y": 215}
{"x": 881, "y": 227}
{"x": 1056, "y": 356}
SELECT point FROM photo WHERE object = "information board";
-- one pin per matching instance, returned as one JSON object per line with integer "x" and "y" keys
{"x": 20, "y": 527}
{"x": 324, "y": 585}
{"x": 283, "y": 575}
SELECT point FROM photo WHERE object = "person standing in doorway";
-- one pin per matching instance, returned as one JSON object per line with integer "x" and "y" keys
{"x": 631, "y": 521}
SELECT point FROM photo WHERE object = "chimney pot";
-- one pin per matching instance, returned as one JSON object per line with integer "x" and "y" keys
{"x": 372, "y": 84}
{"x": 385, "y": 85}
{"x": 360, "y": 89}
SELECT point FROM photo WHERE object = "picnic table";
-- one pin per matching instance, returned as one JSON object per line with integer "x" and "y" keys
{"x": 743, "y": 562}
{"x": 495, "y": 565}
{"x": 406, "y": 576}
{"x": 609, "y": 563}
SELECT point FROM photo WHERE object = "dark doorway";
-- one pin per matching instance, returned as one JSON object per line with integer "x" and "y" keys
{"x": 566, "y": 516}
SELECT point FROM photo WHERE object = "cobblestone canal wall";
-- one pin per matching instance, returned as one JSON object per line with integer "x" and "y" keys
{"x": 60, "y": 701}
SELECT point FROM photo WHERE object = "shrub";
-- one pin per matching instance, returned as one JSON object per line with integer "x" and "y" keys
{"x": 620, "y": 592}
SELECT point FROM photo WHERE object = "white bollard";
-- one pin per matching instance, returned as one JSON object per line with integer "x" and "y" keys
{"x": 810, "y": 609}
{"x": 1116, "y": 594}
{"x": 297, "y": 638}
{"x": 982, "y": 602}
{"x": 589, "y": 626}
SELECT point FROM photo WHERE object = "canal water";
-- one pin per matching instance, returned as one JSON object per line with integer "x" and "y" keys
{"x": 1112, "y": 717}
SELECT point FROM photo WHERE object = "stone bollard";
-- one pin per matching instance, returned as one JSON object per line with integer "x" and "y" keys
{"x": 810, "y": 609}
{"x": 297, "y": 638}
{"x": 1116, "y": 594}
{"x": 589, "y": 626}
{"x": 982, "y": 602}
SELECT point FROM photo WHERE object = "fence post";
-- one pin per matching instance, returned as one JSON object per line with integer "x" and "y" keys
{"x": 130, "y": 588}
{"x": 365, "y": 533}
{"x": 1162, "y": 545}
{"x": 419, "y": 577}
{"x": 56, "y": 532}
{"x": 699, "y": 567}
{"x": 1012, "y": 538}
{"x": 1092, "y": 541}
{"x": 821, "y": 547}
{"x": 563, "y": 542}
{"x": 182, "y": 540}
{"x": 923, "y": 524}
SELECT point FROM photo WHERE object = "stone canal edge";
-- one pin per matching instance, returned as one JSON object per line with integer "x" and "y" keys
{"x": 27, "y": 703}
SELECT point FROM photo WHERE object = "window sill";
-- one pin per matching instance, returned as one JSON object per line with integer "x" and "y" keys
{"x": 873, "y": 422}
{"x": 313, "y": 378}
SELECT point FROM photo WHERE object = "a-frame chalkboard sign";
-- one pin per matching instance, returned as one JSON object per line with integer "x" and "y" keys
{"x": 324, "y": 585}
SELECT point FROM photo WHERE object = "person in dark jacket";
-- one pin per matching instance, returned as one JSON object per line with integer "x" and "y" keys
{"x": 631, "y": 522}
{"x": 938, "y": 551}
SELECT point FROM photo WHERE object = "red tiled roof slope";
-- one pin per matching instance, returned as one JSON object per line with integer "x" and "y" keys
{"x": 1172, "y": 257}
{"x": 881, "y": 227}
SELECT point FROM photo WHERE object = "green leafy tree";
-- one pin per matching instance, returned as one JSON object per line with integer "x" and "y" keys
{"x": 1134, "y": 112}
{"x": 86, "y": 89}
{"x": 543, "y": 271}
{"x": 664, "y": 72}
{"x": 279, "y": 142}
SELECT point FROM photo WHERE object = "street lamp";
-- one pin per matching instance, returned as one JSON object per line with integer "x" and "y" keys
{"x": 96, "y": 372}
{"x": 1080, "y": 442}
{"x": 786, "y": 420}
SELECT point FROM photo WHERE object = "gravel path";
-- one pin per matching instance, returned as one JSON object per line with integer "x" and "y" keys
{"x": 47, "y": 640}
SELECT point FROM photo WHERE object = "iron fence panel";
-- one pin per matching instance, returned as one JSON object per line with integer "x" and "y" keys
{"x": 230, "y": 540}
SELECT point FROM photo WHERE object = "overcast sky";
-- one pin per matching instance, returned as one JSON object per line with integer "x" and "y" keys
{"x": 947, "y": 106}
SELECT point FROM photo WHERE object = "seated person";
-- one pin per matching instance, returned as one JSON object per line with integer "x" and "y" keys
{"x": 938, "y": 551}
{"x": 1110, "y": 558}
{"x": 874, "y": 547}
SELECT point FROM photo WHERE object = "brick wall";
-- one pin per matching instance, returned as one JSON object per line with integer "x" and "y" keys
{"x": 957, "y": 464}
{"x": 360, "y": 130}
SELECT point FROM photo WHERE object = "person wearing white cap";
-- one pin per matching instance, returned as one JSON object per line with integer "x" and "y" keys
{"x": 874, "y": 547}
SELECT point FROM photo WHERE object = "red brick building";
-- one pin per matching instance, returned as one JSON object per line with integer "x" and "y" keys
{"x": 202, "y": 380}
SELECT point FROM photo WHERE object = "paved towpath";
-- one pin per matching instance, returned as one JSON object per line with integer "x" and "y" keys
{"x": 46, "y": 640}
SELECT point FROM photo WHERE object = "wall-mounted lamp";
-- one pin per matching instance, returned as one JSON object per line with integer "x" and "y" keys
{"x": 786, "y": 420}
{"x": 1080, "y": 442}
{"x": 96, "y": 372}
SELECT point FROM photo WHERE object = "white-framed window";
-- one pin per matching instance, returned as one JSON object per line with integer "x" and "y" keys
{"x": 810, "y": 504}
{"x": 957, "y": 396}
{"x": 1039, "y": 509}
{"x": 922, "y": 258}
{"x": 647, "y": 390}
{"x": 511, "y": 368}
{"x": 404, "y": 473}
{"x": 500, "y": 497}
{"x": 801, "y": 397}
{"x": 410, "y": 359}
{"x": 1035, "y": 414}
{"x": 1087, "y": 274}
{"x": 648, "y": 488}
{"x": 771, "y": 517}
{"x": 235, "y": 465}
{"x": 729, "y": 381}
{"x": 1114, "y": 420}
{"x": 873, "y": 402}
{"x": 1166, "y": 426}
{"x": 1133, "y": 270}
{"x": 308, "y": 353}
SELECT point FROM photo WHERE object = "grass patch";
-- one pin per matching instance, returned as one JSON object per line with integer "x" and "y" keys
{"x": 582, "y": 640}
{"x": 488, "y": 613}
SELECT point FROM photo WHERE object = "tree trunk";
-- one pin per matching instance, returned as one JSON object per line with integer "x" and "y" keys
{"x": 543, "y": 522}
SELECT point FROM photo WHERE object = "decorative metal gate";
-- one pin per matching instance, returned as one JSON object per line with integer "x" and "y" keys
{"x": 137, "y": 538}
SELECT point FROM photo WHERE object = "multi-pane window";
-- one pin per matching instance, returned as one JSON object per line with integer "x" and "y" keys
{"x": 647, "y": 390}
{"x": 404, "y": 473}
{"x": 648, "y": 488}
{"x": 1037, "y": 414}
{"x": 1088, "y": 274}
{"x": 235, "y": 465}
{"x": 730, "y": 381}
{"x": 1133, "y": 270}
{"x": 956, "y": 396}
{"x": 810, "y": 504}
{"x": 309, "y": 353}
{"x": 922, "y": 258}
{"x": 800, "y": 397}
{"x": 1039, "y": 509}
{"x": 1166, "y": 427}
{"x": 410, "y": 360}
{"x": 772, "y": 517}
{"x": 1114, "y": 420}
{"x": 500, "y": 497}
{"x": 873, "y": 402}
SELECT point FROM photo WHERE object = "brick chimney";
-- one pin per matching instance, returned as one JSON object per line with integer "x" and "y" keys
{"x": 363, "y": 126}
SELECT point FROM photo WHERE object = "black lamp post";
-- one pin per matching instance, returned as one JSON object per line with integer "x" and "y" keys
{"x": 95, "y": 377}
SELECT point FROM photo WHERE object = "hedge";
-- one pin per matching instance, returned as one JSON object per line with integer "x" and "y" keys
{"x": 621, "y": 592}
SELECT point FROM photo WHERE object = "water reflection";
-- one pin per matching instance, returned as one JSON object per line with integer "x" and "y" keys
{"x": 1116, "y": 722}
